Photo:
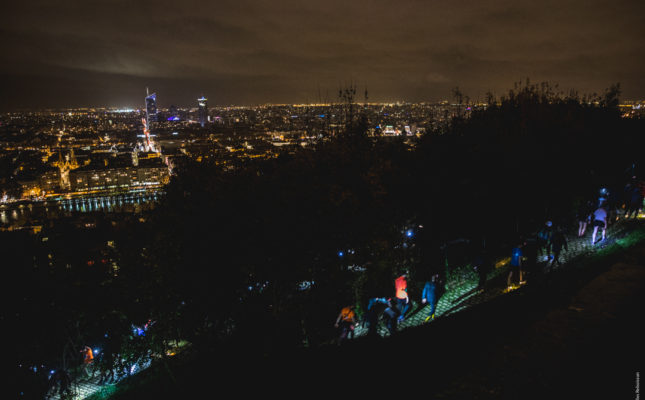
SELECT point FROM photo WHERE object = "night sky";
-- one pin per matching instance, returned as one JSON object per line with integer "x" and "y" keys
{"x": 105, "y": 53}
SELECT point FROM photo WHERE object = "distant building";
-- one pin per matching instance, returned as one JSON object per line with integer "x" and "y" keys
{"x": 30, "y": 188}
{"x": 65, "y": 165}
{"x": 50, "y": 181}
{"x": 389, "y": 130}
{"x": 202, "y": 112}
{"x": 150, "y": 173}
{"x": 151, "y": 108}
{"x": 173, "y": 114}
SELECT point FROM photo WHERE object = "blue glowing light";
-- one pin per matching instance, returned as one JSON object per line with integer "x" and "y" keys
{"x": 409, "y": 233}
{"x": 175, "y": 118}
{"x": 340, "y": 254}
{"x": 321, "y": 116}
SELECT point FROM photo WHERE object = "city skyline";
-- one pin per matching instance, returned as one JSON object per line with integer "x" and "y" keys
{"x": 169, "y": 105}
{"x": 77, "y": 54}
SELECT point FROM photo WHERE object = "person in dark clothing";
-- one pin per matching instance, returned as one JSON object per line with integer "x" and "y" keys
{"x": 559, "y": 242}
{"x": 391, "y": 314}
{"x": 429, "y": 296}
{"x": 370, "y": 321}
{"x": 611, "y": 206}
{"x": 107, "y": 366}
{"x": 603, "y": 197}
{"x": 122, "y": 367}
{"x": 583, "y": 215}
{"x": 544, "y": 239}
{"x": 64, "y": 382}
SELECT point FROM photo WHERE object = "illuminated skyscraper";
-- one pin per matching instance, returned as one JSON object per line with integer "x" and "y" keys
{"x": 151, "y": 116}
{"x": 151, "y": 107}
{"x": 203, "y": 110}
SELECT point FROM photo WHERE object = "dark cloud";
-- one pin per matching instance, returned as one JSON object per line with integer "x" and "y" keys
{"x": 254, "y": 51}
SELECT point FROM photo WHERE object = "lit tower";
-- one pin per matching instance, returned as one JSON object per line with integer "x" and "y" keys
{"x": 151, "y": 107}
{"x": 202, "y": 112}
{"x": 151, "y": 115}
{"x": 65, "y": 166}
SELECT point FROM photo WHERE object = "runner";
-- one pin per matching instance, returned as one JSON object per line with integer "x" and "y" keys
{"x": 88, "y": 359}
{"x": 635, "y": 202}
{"x": 599, "y": 221}
{"x": 370, "y": 321}
{"x": 544, "y": 239}
{"x": 402, "y": 298}
{"x": 391, "y": 314}
{"x": 346, "y": 321}
{"x": 559, "y": 242}
{"x": 61, "y": 379}
{"x": 429, "y": 296}
{"x": 584, "y": 216}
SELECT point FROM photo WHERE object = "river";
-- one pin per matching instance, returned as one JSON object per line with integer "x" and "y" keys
{"x": 34, "y": 212}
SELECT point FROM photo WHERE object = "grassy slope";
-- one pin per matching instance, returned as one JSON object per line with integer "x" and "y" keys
{"x": 571, "y": 336}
